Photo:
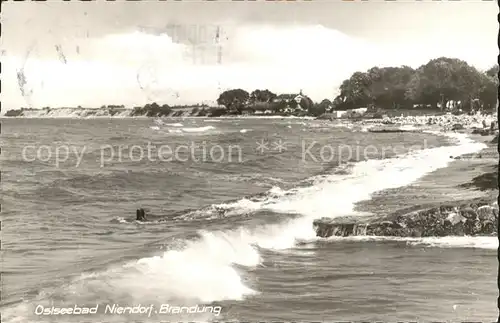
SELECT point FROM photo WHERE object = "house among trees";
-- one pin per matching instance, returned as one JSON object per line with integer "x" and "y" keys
{"x": 289, "y": 98}
{"x": 239, "y": 101}
{"x": 442, "y": 84}
{"x": 292, "y": 103}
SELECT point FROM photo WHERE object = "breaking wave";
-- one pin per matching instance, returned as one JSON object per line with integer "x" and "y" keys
{"x": 202, "y": 270}
{"x": 479, "y": 242}
{"x": 215, "y": 252}
{"x": 198, "y": 129}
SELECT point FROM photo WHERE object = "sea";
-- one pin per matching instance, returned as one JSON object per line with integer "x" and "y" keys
{"x": 229, "y": 236}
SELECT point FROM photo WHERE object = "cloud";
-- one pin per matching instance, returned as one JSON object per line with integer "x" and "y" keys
{"x": 139, "y": 67}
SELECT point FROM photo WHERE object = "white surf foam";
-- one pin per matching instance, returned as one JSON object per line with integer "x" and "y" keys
{"x": 336, "y": 195}
{"x": 203, "y": 269}
{"x": 198, "y": 129}
{"x": 199, "y": 273}
{"x": 242, "y": 205}
{"x": 457, "y": 242}
{"x": 482, "y": 242}
{"x": 158, "y": 122}
{"x": 408, "y": 127}
{"x": 276, "y": 191}
{"x": 260, "y": 117}
{"x": 331, "y": 196}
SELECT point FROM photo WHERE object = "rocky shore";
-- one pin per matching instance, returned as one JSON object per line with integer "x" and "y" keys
{"x": 391, "y": 130}
{"x": 482, "y": 124}
{"x": 477, "y": 217}
{"x": 472, "y": 218}
{"x": 485, "y": 181}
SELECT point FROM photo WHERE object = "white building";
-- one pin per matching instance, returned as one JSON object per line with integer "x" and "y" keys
{"x": 338, "y": 114}
{"x": 360, "y": 110}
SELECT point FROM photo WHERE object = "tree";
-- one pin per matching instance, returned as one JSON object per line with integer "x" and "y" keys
{"x": 152, "y": 110}
{"x": 320, "y": 108}
{"x": 262, "y": 96}
{"x": 354, "y": 92}
{"x": 444, "y": 79}
{"x": 306, "y": 103}
{"x": 489, "y": 88}
{"x": 362, "y": 89}
{"x": 234, "y": 99}
{"x": 439, "y": 80}
{"x": 493, "y": 71}
{"x": 194, "y": 111}
{"x": 388, "y": 86}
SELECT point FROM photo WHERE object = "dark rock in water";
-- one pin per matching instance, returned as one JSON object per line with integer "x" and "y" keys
{"x": 483, "y": 132}
{"x": 457, "y": 126}
{"x": 472, "y": 219}
{"x": 144, "y": 215}
{"x": 483, "y": 182}
{"x": 389, "y": 130}
{"x": 325, "y": 116}
{"x": 140, "y": 215}
{"x": 468, "y": 156}
{"x": 495, "y": 140}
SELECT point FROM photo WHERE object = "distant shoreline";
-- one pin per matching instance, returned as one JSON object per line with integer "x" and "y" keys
{"x": 92, "y": 113}
{"x": 202, "y": 111}
{"x": 168, "y": 117}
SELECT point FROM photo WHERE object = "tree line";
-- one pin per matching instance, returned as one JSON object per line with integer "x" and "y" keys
{"x": 435, "y": 83}
{"x": 432, "y": 84}
{"x": 239, "y": 101}
{"x": 382, "y": 88}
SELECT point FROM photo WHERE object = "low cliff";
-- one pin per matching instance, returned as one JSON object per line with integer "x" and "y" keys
{"x": 68, "y": 113}
{"x": 149, "y": 110}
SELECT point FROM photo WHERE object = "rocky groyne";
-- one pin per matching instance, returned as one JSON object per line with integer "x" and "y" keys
{"x": 472, "y": 219}
{"x": 482, "y": 124}
{"x": 392, "y": 130}
{"x": 484, "y": 182}
{"x": 476, "y": 217}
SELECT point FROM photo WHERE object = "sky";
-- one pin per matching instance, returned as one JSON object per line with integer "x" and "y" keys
{"x": 89, "y": 54}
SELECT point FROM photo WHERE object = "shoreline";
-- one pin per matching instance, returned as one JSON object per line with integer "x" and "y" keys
{"x": 167, "y": 117}
{"x": 442, "y": 125}
{"x": 419, "y": 122}
{"x": 476, "y": 216}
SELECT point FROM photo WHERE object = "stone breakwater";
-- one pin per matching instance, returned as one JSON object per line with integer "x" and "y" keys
{"x": 447, "y": 121}
{"x": 484, "y": 125}
{"x": 471, "y": 219}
